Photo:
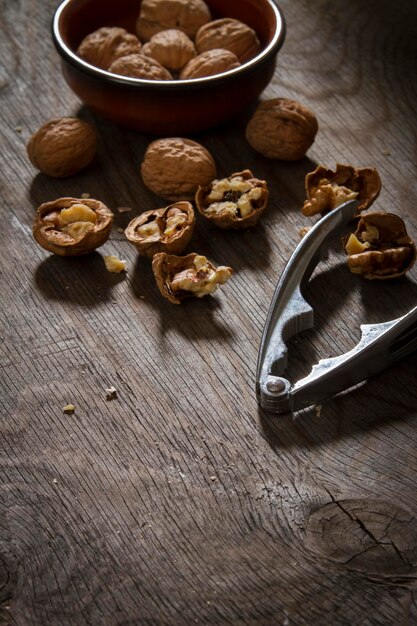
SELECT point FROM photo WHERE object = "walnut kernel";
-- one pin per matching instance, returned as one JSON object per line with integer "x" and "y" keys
{"x": 210, "y": 63}
{"x": 62, "y": 147}
{"x": 282, "y": 129}
{"x": 158, "y": 15}
{"x": 172, "y": 48}
{"x": 174, "y": 167}
{"x": 193, "y": 275}
{"x": 102, "y": 47}
{"x": 229, "y": 34}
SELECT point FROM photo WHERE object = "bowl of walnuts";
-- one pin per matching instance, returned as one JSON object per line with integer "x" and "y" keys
{"x": 168, "y": 66}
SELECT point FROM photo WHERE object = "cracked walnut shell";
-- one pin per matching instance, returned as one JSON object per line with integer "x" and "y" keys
{"x": 163, "y": 230}
{"x": 140, "y": 66}
{"x": 210, "y": 63}
{"x": 102, "y": 47}
{"x": 72, "y": 226}
{"x": 62, "y": 147}
{"x": 174, "y": 167}
{"x": 181, "y": 277}
{"x": 229, "y": 34}
{"x": 327, "y": 189}
{"x": 234, "y": 202}
{"x": 380, "y": 248}
{"x": 158, "y": 15}
{"x": 282, "y": 129}
{"x": 172, "y": 48}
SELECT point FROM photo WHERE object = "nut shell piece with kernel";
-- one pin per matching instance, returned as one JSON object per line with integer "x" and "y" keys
{"x": 235, "y": 202}
{"x": 174, "y": 167}
{"x": 326, "y": 189}
{"x": 282, "y": 129}
{"x": 172, "y": 48}
{"x": 230, "y": 34}
{"x": 72, "y": 226}
{"x": 210, "y": 63}
{"x": 163, "y": 230}
{"x": 62, "y": 147}
{"x": 380, "y": 248}
{"x": 102, "y": 47}
{"x": 157, "y": 15}
{"x": 181, "y": 277}
{"x": 140, "y": 66}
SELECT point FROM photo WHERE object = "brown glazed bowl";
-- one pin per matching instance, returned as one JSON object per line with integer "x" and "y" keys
{"x": 165, "y": 107}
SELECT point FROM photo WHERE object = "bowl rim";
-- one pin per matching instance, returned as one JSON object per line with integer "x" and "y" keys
{"x": 168, "y": 85}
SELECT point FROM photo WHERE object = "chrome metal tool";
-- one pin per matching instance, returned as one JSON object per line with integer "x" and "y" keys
{"x": 289, "y": 313}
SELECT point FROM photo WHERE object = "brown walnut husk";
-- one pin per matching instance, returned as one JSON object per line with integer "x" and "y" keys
{"x": 174, "y": 167}
{"x": 48, "y": 234}
{"x": 210, "y": 63}
{"x": 391, "y": 252}
{"x": 171, "y": 244}
{"x": 102, "y": 47}
{"x": 226, "y": 220}
{"x": 166, "y": 266}
{"x": 282, "y": 129}
{"x": 364, "y": 181}
{"x": 158, "y": 15}
{"x": 62, "y": 147}
{"x": 140, "y": 66}
{"x": 172, "y": 48}
{"x": 229, "y": 34}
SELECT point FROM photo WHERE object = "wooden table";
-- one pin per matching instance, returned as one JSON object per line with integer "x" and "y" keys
{"x": 179, "y": 502}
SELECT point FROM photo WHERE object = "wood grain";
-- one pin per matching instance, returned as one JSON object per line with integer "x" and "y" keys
{"x": 179, "y": 502}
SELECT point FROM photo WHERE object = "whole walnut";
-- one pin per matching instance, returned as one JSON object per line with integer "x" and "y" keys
{"x": 282, "y": 129}
{"x": 102, "y": 47}
{"x": 62, "y": 147}
{"x": 172, "y": 48}
{"x": 230, "y": 34}
{"x": 210, "y": 63}
{"x": 140, "y": 66}
{"x": 157, "y": 15}
{"x": 174, "y": 168}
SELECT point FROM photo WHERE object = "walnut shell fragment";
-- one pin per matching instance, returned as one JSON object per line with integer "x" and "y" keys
{"x": 209, "y": 63}
{"x": 229, "y": 34}
{"x": 158, "y": 15}
{"x": 181, "y": 277}
{"x": 282, "y": 129}
{"x": 172, "y": 48}
{"x": 380, "y": 248}
{"x": 62, "y": 147}
{"x": 327, "y": 189}
{"x": 234, "y": 202}
{"x": 174, "y": 167}
{"x": 102, "y": 47}
{"x": 72, "y": 226}
{"x": 163, "y": 230}
{"x": 140, "y": 66}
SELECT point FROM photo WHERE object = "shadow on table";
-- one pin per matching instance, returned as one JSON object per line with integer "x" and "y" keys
{"x": 82, "y": 280}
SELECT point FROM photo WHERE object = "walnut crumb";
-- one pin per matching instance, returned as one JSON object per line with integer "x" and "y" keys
{"x": 111, "y": 393}
{"x": 123, "y": 209}
{"x": 69, "y": 408}
{"x": 115, "y": 265}
{"x": 303, "y": 231}
{"x": 318, "y": 409}
{"x": 85, "y": 196}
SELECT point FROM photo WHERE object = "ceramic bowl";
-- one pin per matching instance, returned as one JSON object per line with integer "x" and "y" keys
{"x": 165, "y": 107}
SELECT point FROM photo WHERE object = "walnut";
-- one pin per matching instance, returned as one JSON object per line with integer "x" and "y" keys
{"x": 62, "y": 147}
{"x": 180, "y": 277}
{"x": 210, "y": 63}
{"x": 234, "y": 202}
{"x": 72, "y": 226}
{"x": 174, "y": 167}
{"x": 230, "y": 34}
{"x": 380, "y": 248}
{"x": 282, "y": 129}
{"x": 163, "y": 230}
{"x": 172, "y": 48}
{"x": 157, "y": 15}
{"x": 140, "y": 66}
{"x": 327, "y": 189}
{"x": 102, "y": 47}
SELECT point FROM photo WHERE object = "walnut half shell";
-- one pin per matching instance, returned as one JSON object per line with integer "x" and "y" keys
{"x": 181, "y": 277}
{"x": 380, "y": 248}
{"x": 327, "y": 189}
{"x": 72, "y": 226}
{"x": 234, "y": 202}
{"x": 163, "y": 230}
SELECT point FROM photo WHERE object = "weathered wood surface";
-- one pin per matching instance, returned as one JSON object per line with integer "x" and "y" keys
{"x": 178, "y": 502}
